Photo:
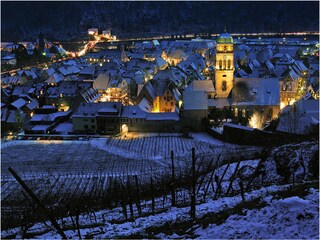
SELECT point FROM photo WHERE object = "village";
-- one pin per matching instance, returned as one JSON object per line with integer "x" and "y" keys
{"x": 169, "y": 120}
{"x": 168, "y": 86}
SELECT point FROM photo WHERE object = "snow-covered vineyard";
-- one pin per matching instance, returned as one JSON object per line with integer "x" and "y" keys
{"x": 59, "y": 171}
{"x": 99, "y": 173}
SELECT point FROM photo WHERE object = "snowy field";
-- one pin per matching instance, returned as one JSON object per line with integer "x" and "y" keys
{"x": 64, "y": 171}
{"x": 293, "y": 217}
{"x": 58, "y": 171}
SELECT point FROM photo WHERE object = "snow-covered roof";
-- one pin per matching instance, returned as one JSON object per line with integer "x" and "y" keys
{"x": 145, "y": 105}
{"x": 169, "y": 116}
{"x": 55, "y": 78}
{"x": 194, "y": 100}
{"x": 50, "y": 117}
{"x": 93, "y": 109}
{"x": 13, "y": 80}
{"x": 160, "y": 61}
{"x": 19, "y": 90}
{"x": 308, "y": 106}
{"x": 88, "y": 71}
{"x": 19, "y": 103}
{"x": 264, "y": 92}
{"x": 133, "y": 112}
{"x": 64, "y": 71}
{"x": 64, "y": 128}
{"x": 203, "y": 85}
{"x": 8, "y": 57}
{"x": 101, "y": 82}
{"x": 50, "y": 71}
{"x": 90, "y": 95}
{"x": 33, "y": 104}
{"x": 219, "y": 102}
{"x": 11, "y": 117}
{"x": 40, "y": 128}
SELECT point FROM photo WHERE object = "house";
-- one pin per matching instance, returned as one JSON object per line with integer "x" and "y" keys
{"x": 15, "y": 115}
{"x": 22, "y": 90}
{"x": 196, "y": 59}
{"x": 160, "y": 63}
{"x": 101, "y": 117}
{"x": 54, "y": 79}
{"x": 30, "y": 48}
{"x": 175, "y": 74}
{"x": 45, "y": 119}
{"x": 195, "y": 103}
{"x": 93, "y": 31}
{"x": 161, "y": 94}
{"x": 283, "y": 61}
{"x": 66, "y": 95}
{"x": 13, "y": 80}
{"x": 257, "y": 97}
{"x": 133, "y": 119}
{"x": 300, "y": 118}
{"x": 47, "y": 73}
{"x": 111, "y": 89}
{"x": 9, "y": 59}
{"x": 175, "y": 56}
{"x": 87, "y": 72}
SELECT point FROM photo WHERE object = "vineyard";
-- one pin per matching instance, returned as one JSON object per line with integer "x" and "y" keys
{"x": 62, "y": 172}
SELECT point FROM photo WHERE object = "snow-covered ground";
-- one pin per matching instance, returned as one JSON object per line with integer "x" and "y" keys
{"x": 288, "y": 218}
{"x": 105, "y": 226}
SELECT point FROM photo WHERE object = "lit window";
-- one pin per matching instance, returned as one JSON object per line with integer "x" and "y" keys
{"x": 243, "y": 112}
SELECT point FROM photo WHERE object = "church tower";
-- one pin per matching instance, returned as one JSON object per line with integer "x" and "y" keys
{"x": 224, "y": 65}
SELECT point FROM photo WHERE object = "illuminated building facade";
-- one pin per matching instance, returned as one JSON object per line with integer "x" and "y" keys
{"x": 224, "y": 65}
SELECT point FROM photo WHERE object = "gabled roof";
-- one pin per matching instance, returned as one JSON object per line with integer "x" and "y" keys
{"x": 88, "y": 71}
{"x": 145, "y": 105}
{"x": 23, "y": 89}
{"x": 90, "y": 95}
{"x": 19, "y": 103}
{"x": 160, "y": 61}
{"x": 202, "y": 86}
{"x": 194, "y": 100}
{"x": 133, "y": 112}
{"x": 163, "y": 116}
{"x": 54, "y": 78}
{"x": 33, "y": 104}
{"x": 64, "y": 71}
{"x": 50, "y": 71}
{"x": 93, "y": 109}
{"x": 101, "y": 82}
{"x": 263, "y": 92}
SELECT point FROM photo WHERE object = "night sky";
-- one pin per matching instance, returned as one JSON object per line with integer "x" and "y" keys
{"x": 71, "y": 19}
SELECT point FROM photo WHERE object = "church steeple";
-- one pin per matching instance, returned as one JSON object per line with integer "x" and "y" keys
{"x": 124, "y": 57}
{"x": 224, "y": 65}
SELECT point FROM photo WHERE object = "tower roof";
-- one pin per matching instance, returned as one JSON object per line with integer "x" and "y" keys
{"x": 225, "y": 38}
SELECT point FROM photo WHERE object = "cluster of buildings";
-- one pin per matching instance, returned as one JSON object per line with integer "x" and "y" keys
{"x": 8, "y": 56}
{"x": 170, "y": 86}
{"x": 106, "y": 34}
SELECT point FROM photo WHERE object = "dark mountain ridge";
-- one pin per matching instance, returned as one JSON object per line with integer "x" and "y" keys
{"x": 70, "y": 20}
